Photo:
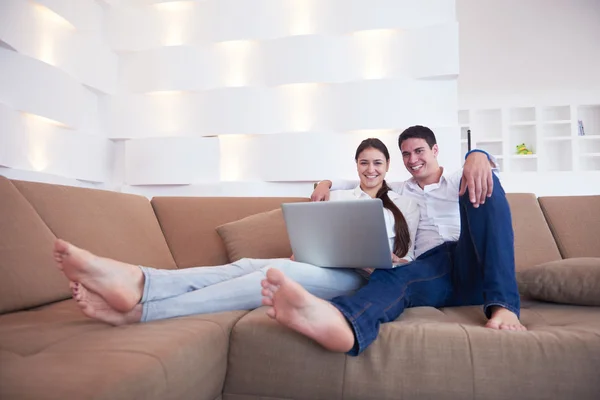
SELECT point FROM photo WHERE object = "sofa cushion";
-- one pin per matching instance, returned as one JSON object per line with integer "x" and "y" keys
{"x": 570, "y": 281}
{"x": 574, "y": 221}
{"x": 534, "y": 243}
{"x": 56, "y": 352}
{"x": 427, "y": 353}
{"x": 109, "y": 224}
{"x": 293, "y": 366}
{"x": 28, "y": 276}
{"x": 189, "y": 224}
{"x": 261, "y": 235}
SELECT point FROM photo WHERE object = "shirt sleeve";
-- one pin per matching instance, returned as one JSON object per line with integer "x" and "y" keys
{"x": 410, "y": 210}
{"x": 340, "y": 184}
{"x": 396, "y": 186}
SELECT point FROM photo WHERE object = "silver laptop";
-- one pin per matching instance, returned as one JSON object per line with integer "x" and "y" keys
{"x": 339, "y": 234}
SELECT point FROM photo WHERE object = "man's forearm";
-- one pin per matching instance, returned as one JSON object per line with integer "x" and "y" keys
{"x": 326, "y": 182}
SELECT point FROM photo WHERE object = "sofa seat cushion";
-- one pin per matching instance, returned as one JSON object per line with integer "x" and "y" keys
{"x": 427, "y": 353}
{"x": 56, "y": 352}
{"x": 569, "y": 281}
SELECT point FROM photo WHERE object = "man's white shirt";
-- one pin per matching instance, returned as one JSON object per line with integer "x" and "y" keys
{"x": 408, "y": 207}
{"x": 438, "y": 205}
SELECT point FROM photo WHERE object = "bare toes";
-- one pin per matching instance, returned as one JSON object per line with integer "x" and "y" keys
{"x": 267, "y": 301}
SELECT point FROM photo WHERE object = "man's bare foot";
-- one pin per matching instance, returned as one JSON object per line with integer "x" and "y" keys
{"x": 119, "y": 284}
{"x": 504, "y": 319}
{"x": 94, "y": 306}
{"x": 292, "y": 306}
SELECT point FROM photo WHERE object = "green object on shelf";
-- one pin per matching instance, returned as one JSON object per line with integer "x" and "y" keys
{"x": 523, "y": 150}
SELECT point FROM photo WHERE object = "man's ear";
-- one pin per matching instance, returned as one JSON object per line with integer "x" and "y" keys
{"x": 435, "y": 150}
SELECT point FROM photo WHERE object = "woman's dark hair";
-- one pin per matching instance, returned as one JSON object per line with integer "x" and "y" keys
{"x": 402, "y": 240}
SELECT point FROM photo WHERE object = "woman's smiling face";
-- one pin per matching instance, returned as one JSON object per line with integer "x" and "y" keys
{"x": 372, "y": 167}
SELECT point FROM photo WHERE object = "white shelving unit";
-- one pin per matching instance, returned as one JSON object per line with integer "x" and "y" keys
{"x": 550, "y": 132}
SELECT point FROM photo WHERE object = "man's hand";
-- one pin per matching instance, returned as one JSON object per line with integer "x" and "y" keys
{"x": 477, "y": 177}
{"x": 321, "y": 192}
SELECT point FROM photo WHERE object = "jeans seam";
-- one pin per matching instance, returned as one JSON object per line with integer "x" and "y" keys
{"x": 353, "y": 323}
{"x": 410, "y": 283}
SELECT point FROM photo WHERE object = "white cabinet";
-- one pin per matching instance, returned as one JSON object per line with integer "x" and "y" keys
{"x": 551, "y": 133}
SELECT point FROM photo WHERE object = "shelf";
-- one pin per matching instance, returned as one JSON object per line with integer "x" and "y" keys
{"x": 523, "y": 123}
{"x": 549, "y": 131}
{"x": 490, "y": 140}
{"x": 557, "y": 122}
{"x": 555, "y": 113}
{"x": 524, "y": 156}
{"x": 589, "y": 137}
{"x": 486, "y": 123}
{"x": 521, "y": 115}
{"x": 556, "y": 155}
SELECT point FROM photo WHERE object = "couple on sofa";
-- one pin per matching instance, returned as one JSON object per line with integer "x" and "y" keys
{"x": 452, "y": 230}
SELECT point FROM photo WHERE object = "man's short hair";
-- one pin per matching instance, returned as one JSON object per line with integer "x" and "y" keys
{"x": 417, "y": 132}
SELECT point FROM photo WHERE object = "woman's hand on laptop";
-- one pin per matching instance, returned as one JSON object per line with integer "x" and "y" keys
{"x": 368, "y": 270}
{"x": 398, "y": 260}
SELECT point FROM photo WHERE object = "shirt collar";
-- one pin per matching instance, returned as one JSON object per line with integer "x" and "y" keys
{"x": 358, "y": 193}
{"x": 412, "y": 182}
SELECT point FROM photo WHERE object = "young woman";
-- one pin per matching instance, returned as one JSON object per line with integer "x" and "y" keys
{"x": 119, "y": 293}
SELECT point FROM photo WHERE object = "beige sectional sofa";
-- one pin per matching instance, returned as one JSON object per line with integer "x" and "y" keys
{"x": 49, "y": 350}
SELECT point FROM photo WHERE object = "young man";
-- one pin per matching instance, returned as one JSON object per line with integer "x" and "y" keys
{"x": 464, "y": 249}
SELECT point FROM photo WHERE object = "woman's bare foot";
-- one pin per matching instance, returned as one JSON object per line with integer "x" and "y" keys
{"x": 120, "y": 285}
{"x": 504, "y": 319}
{"x": 292, "y": 306}
{"x": 94, "y": 306}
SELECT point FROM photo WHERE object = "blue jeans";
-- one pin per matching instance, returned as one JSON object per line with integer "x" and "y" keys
{"x": 479, "y": 268}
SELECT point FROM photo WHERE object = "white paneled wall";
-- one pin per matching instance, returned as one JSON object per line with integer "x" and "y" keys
{"x": 289, "y": 87}
{"x": 203, "y": 97}
{"x": 55, "y": 67}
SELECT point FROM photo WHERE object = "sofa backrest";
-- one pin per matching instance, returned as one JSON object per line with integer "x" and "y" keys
{"x": 33, "y": 215}
{"x": 28, "y": 277}
{"x": 534, "y": 243}
{"x": 109, "y": 224}
{"x": 189, "y": 223}
{"x": 575, "y": 224}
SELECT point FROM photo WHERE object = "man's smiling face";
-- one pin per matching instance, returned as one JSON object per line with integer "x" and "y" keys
{"x": 419, "y": 159}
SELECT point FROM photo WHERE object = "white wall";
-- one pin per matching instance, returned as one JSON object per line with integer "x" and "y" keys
{"x": 55, "y": 69}
{"x": 528, "y": 52}
{"x": 262, "y": 97}
{"x": 231, "y": 97}
{"x": 198, "y": 98}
